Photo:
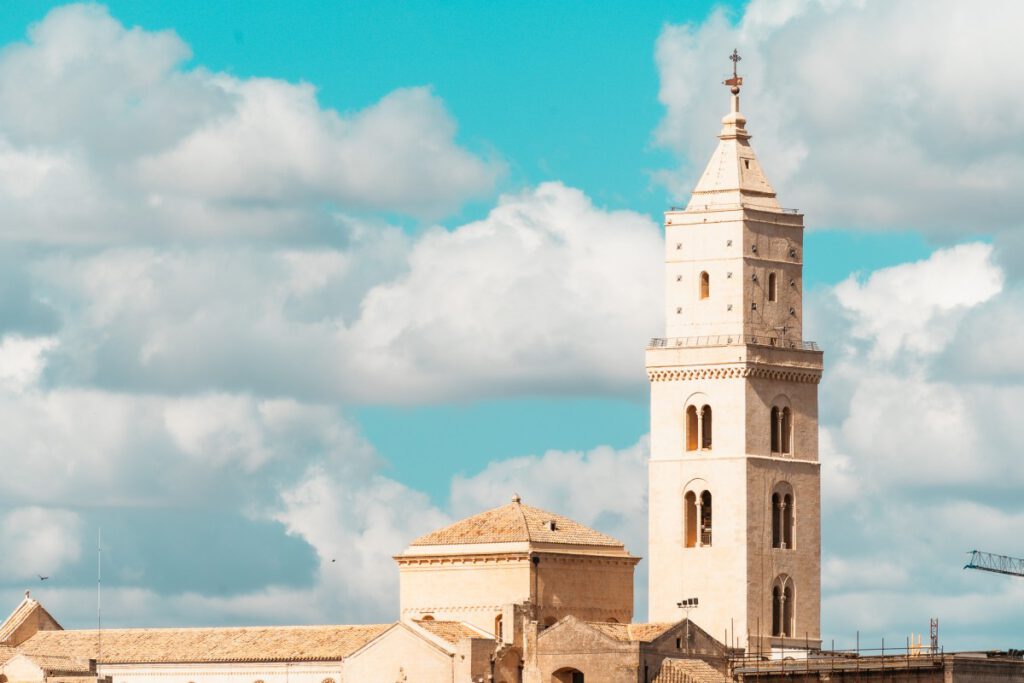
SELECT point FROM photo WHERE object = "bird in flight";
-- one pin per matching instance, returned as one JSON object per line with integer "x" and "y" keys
{"x": 42, "y": 578}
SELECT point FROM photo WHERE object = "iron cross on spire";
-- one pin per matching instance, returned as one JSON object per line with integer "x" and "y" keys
{"x": 736, "y": 81}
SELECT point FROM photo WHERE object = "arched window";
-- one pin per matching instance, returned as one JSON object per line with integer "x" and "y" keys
{"x": 788, "y": 609}
{"x": 705, "y": 432}
{"x": 691, "y": 428}
{"x": 782, "y": 516}
{"x": 705, "y": 518}
{"x": 787, "y": 430}
{"x": 497, "y": 627}
{"x": 776, "y": 521}
{"x": 690, "y": 519}
{"x": 782, "y": 430}
{"x": 773, "y": 287}
{"x": 427, "y": 617}
{"x": 775, "y": 429}
{"x": 783, "y": 607}
{"x": 776, "y": 610}
{"x": 787, "y": 520}
{"x": 705, "y": 285}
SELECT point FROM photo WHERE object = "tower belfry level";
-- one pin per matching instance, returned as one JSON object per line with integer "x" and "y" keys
{"x": 734, "y": 472}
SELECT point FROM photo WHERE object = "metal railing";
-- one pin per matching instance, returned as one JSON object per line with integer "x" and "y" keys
{"x": 862, "y": 660}
{"x": 732, "y": 207}
{"x": 731, "y": 340}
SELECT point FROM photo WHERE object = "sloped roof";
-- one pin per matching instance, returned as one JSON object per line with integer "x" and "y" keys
{"x": 52, "y": 663}
{"x": 631, "y": 632}
{"x": 26, "y": 609}
{"x": 176, "y": 645}
{"x": 449, "y": 631}
{"x": 688, "y": 671}
{"x": 517, "y": 522}
{"x": 6, "y": 653}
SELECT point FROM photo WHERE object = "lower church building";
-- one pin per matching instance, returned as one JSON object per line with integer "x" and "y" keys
{"x": 514, "y": 594}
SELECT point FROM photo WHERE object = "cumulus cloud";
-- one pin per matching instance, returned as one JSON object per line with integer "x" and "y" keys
{"x": 521, "y": 301}
{"x": 861, "y": 122}
{"x": 919, "y": 462}
{"x": 38, "y": 540}
{"x": 104, "y": 135}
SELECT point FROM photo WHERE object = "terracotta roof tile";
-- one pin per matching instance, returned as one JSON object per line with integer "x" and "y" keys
{"x": 6, "y": 653}
{"x": 631, "y": 632}
{"x": 517, "y": 522}
{"x": 688, "y": 671}
{"x": 450, "y": 631}
{"x": 243, "y": 644}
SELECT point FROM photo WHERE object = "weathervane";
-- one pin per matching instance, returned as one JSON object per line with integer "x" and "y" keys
{"x": 736, "y": 81}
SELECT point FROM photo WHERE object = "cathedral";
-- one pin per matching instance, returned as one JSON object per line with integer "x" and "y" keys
{"x": 517, "y": 594}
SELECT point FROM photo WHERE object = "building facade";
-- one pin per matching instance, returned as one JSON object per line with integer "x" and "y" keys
{"x": 734, "y": 489}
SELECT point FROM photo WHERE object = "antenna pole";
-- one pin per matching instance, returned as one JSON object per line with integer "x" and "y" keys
{"x": 99, "y": 593}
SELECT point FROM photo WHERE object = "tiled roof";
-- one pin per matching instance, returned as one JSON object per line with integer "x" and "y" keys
{"x": 6, "y": 653}
{"x": 450, "y": 631}
{"x": 631, "y": 632}
{"x": 517, "y": 522}
{"x": 60, "y": 664}
{"x": 244, "y": 644}
{"x": 688, "y": 671}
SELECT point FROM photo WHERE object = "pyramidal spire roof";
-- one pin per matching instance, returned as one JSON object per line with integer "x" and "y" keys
{"x": 517, "y": 522}
{"x": 733, "y": 176}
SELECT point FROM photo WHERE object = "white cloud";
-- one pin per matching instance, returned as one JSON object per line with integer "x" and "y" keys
{"x": 860, "y": 121}
{"x": 548, "y": 293}
{"x": 105, "y": 136}
{"x": 38, "y": 540}
{"x": 919, "y": 461}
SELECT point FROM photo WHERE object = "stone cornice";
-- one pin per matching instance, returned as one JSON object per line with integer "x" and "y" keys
{"x": 734, "y": 372}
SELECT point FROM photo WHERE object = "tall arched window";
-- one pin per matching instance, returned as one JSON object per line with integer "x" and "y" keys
{"x": 788, "y": 609}
{"x": 782, "y": 430}
{"x": 776, "y": 520}
{"x": 783, "y": 607}
{"x": 775, "y": 429}
{"x": 782, "y": 516}
{"x": 787, "y": 520}
{"x": 690, "y": 519}
{"x": 691, "y": 428}
{"x": 705, "y": 435}
{"x": 776, "y": 610}
{"x": 705, "y": 518}
{"x": 705, "y": 285}
{"x": 497, "y": 627}
{"x": 787, "y": 430}
{"x": 773, "y": 287}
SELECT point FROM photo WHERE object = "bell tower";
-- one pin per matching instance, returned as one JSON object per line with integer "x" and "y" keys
{"x": 734, "y": 489}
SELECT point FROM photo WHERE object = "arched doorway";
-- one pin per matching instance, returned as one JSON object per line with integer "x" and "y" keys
{"x": 567, "y": 676}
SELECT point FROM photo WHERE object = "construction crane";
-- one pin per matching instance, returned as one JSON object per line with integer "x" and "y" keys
{"x": 998, "y": 564}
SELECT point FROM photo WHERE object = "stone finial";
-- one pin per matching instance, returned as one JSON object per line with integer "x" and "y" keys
{"x": 516, "y": 498}
{"x": 27, "y": 595}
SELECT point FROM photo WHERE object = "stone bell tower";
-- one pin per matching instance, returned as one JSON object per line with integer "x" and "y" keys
{"x": 734, "y": 473}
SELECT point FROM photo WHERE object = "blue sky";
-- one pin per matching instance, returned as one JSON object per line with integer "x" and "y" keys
{"x": 284, "y": 284}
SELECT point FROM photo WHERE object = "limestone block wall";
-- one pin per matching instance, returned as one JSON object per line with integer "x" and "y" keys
{"x": 600, "y": 659}
{"x": 669, "y": 401}
{"x": 471, "y": 589}
{"x": 239, "y": 672}
{"x": 587, "y": 587}
{"x": 802, "y": 562}
{"x": 691, "y": 248}
{"x": 399, "y": 655}
{"x": 716, "y": 575}
{"x": 800, "y": 397}
{"x": 773, "y": 243}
